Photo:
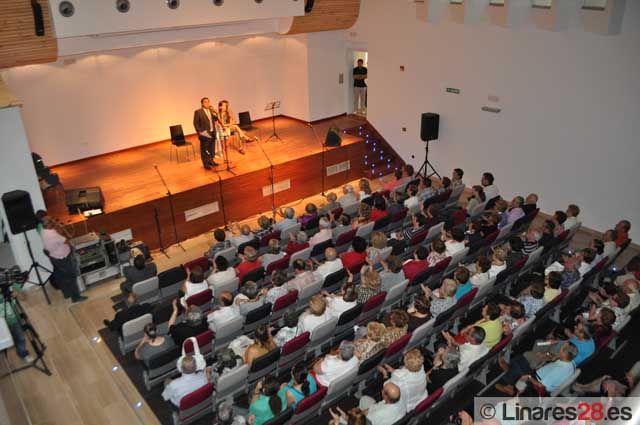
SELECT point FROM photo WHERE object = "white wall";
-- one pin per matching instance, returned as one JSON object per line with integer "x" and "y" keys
{"x": 570, "y": 105}
{"x": 17, "y": 173}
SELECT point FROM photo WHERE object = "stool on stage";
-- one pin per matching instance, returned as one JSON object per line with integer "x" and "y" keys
{"x": 178, "y": 141}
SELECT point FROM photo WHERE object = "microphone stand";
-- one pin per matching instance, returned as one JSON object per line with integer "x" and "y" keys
{"x": 224, "y": 212}
{"x": 173, "y": 214}
{"x": 159, "y": 231}
{"x": 225, "y": 139}
{"x": 315, "y": 134}
{"x": 271, "y": 178}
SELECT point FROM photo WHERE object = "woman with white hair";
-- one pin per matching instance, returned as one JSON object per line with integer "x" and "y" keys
{"x": 349, "y": 198}
{"x": 324, "y": 234}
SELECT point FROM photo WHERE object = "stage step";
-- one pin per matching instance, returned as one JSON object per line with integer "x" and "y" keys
{"x": 380, "y": 159}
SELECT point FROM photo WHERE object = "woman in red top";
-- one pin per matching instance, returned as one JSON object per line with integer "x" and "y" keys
{"x": 622, "y": 228}
{"x": 297, "y": 244}
{"x": 379, "y": 208}
{"x": 249, "y": 262}
{"x": 355, "y": 258}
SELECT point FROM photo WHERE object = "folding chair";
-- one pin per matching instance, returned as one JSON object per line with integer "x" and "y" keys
{"x": 147, "y": 291}
{"x": 170, "y": 281}
{"x": 194, "y": 406}
{"x": 308, "y": 407}
{"x": 132, "y": 332}
{"x": 228, "y": 331}
{"x": 255, "y": 318}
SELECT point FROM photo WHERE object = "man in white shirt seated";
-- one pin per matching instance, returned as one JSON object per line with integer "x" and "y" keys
{"x": 473, "y": 348}
{"x": 335, "y": 364}
{"x": 387, "y": 411}
{"x": 245, "y": 235}
{"x": 587, "y": 260}
{"x": 572, "y": 216}
{"x": 273, "y": 253}
{"x": 610, "y": 247}
{"x": 249, "y": 298}
{"x": 190, "y": 381}
{"x": 324, "y": 234}
{"x": 349, "y": 198}
{"x": 331, "y": 264}
{"x": 302, "y": 276}
{"x": 341, "y": 302}
{"x": 224, "y": 313}
{"x": 490, "y": 190}
{"x": 454, "y": 241}
{"x": 411, "y": 379}
{"x": 412, "y": 202}
{"x": 288, "y": 220}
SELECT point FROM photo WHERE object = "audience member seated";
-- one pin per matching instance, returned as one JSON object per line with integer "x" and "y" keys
{"x": 222, "y": 273}
{"x": 141, "y": 270}
{"x": 515, "y": 251}
{"x": 273, "y": 253}
{"x": 387, "y": 411}
{"x": 512, "y": 316}
{"x": 609, "y": 241}
{"x": 301, "y": 276}
{"x": 411, "y": 379}
{"x": 396, "y": 326}
{"x": 379, "y": 208}
{"x": 622, "y": 229}
{"x": 631, "y": 288}
{"x": 419, "y": 312}
{"x": 289, "y": 220}
{"x": 348, "y": 198}
{"x": 249, "y": 298}
{"x": 394, "y": 204}
{"x": 221, "y": 242}
{"x": 378, "y": 243}
{"x": 151, "y": 344}
{"x": 342, "y": 301}
{"x": 425, "y": 191}
{"x": 288, "y": 331}
{"x": 261, "y": 345}
{"x": 310, "y": 214}
{"x": 355, "y": 416}
{"x": 552, "y": 283}
{"x": 530, "y": 241}
{"x": 456, "y": 177}
{"x": 324, "y": 234}
{"x": 445, "y": 367}
{"x": 491, "y": 324}
{"x": 226, "y": 416}
{"x": 363, "y": 217}
{"x": 397, "y": 181}
{"x": 572, "y": 216}
{"x": 245, "y": 235}
{"x": 369, "y": 284}
{"x": 188, "y": 382}
{"x": 132, "y": 310}
{"x": 549, "y": 377}
{"x": 335, "y": 364}
{"x": 365, "y": 189}
{"x": 477, "y": 198}
{"x": 578, "y": 336}
{"x": 315, "y": 315}
{"x": 515, "y": 210}
{"x": 570, "y": 274}
{"x": 472, "y": 349}
{"x": 530, "y": 203}
{"x": 402, "y": 239}
{"x": 481, "y": 269}
{"x": 490, "y": 189}
{"x": 192, "y": 324}
{"x": 461, "y": 276}
{"x": 300, "y": 386}
{"x": 265, "y": 226}
{"x": 370, "y": 344}
{"x": 391, "y": 273}
{"x": 224, "y": 313}
{"x": 412, "y": 201}
{"x": 532, "y": 298}
{"x": 558, "y": 218}
{"x": 586, "y": 259}
{"x": 501, "y": 209}
{"x": 419, "y": 263}
{"x": 297, "y": 243}
{"x": 356, "y": 255}
{"x": 498, "y": 261}
{"x": 267, "y": 401}
{"x": 343, "y": 225}
{"x": 548, "y": 239}
{"x": 249, "y": 262}
{"x": 443, "y": 298}
{"x": 278, "y": 288}
{"x": 454, "y": 241}
{"x": 631, "y": 271}
{"x": 331, "y": 263}
{"x": 194, "y": 284}
{"x": 331, "y": 205}
{"x": 226, "y": 361}
{"x": 478, "y": 230}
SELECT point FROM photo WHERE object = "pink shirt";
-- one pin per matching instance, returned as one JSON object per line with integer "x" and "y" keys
{"x": 55, "y": 243}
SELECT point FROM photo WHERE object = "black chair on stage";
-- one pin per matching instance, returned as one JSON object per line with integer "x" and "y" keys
{"x": 178, "y": 141}
{"x": 244, "y": 121}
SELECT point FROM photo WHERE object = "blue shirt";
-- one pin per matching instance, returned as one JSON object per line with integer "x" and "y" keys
{"x": 284, "y": 223}
{"x": 585, "y": 349}
{"x": 297, "y": 394}
{"x": 463, "y": 289}
{"x": 553, "y": 374}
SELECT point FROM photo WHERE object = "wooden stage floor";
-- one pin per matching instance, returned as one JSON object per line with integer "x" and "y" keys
{"x": 133, "y": 191}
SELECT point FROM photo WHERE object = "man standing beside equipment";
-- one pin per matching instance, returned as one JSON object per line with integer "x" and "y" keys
{"x": 204, "y": 121}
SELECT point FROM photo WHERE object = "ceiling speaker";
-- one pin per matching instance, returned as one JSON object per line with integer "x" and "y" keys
{"x": 123, "y": 6}
{"x": 67, "y": 9}
{"x": 173, "y": 4}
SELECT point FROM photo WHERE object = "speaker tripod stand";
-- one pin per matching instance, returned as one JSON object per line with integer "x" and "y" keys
{"x": 424, "y": 168}
{"x": 37, "y": 267}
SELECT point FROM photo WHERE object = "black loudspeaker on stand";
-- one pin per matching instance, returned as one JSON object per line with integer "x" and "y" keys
{"x": 429, "y": 126}
{"x": 19, "y": 210}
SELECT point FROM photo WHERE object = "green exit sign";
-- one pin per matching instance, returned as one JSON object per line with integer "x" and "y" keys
{"x": 453, "y": 90}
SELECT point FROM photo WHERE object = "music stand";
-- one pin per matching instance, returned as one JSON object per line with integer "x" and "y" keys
{"x": 272, "y": 106}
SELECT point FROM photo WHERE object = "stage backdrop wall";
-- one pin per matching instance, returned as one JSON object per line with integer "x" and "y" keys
{"x": 570, "y": 104}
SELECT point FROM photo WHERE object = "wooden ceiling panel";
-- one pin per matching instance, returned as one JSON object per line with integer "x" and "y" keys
{"x": 327, "y": 15}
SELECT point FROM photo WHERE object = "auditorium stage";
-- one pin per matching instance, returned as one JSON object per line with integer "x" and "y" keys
{"x": 134, "y": 193}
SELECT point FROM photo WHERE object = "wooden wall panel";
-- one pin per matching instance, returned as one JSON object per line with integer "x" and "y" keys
{"x": 19, "y": 44}
{"x": 327, "y": 15}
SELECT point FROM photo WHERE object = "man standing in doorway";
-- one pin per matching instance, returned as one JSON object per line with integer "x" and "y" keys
{"x": 204, "y": 121}
{"x": 360, "y": 88}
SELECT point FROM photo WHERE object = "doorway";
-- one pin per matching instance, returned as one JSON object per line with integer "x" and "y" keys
{"x": 352, "y": 61}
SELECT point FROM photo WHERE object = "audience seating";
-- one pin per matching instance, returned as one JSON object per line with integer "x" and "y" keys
{"x": 262, "y": 366}
{"x": 147, "y": 291}
{"x": 255, "y": 318}
{"x": 365, "y": 230}
{"x": 231, "y": 286}
{"x": 170, "y": 281}
{"x": 132, "y": 333}
{"x": 255, "y": 275}
{"x": 317, "y": 251}
{"x": 303, "y": 254}
{"x": 229, "y": 254}
{"x": 345, "y": 324}
{"x": 371, "y": 308}
{"x": 339, "y": 388}
{"x": 254, "y": 243}
{"x": 282, "y": 305}
{"x": 308, "y": 291}
{"x": 308, "y": 406}
{"x": 290, "y": 231}
{"x": 321, "y": 335}
{"x": 293, "y": 351}
{"x": 343, "y": 241}
{"x": 335, "y": 280}
{"x": 395, "y": 295}
{"x": 205, "y": 344}
{"x": 160, "y": 367}
{"x": 231, "y": 383}
{"x": 227, "y": 333}
{"x": 194, "y": 406}
{"x": 202, "y": 300}
{"x": 203, "y": 262}
{"x": 281, "y": 264}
